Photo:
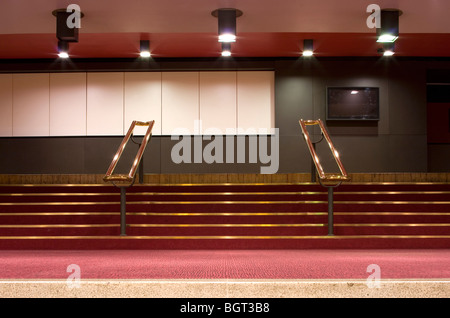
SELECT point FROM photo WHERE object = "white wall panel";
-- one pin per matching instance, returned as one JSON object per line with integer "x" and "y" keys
{"x": 105, "y": 103}
{"x": 143, "y": 100}
{"x": 6, "y": 105}
{"x": 255, "y": 100}
{"x": 180, "y": 101}
{"x": 218, "y": 100}
{"x": 31, "y": 104}
{"x": 67, "y": 104}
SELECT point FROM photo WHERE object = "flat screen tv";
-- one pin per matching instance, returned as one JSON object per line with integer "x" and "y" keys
{"x": 353, "y": 103}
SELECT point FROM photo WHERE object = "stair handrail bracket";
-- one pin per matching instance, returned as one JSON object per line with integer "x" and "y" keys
{"x": 123, "y": 181}
{"x": 327, "y": 180}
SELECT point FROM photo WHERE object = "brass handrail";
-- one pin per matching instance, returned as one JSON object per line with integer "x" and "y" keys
{"x": 320, "y": 171}
{"x": 109, "y": 176}
{"x": 337, "y": 179}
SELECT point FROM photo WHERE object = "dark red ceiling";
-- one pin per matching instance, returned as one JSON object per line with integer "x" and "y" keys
{"x": 126, "y": 45}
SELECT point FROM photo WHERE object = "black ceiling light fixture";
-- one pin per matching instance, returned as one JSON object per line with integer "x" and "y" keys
{"x": 308, "y": 47}
{"x": 227, "y": 27}
{"x": 145, "y": 48}
{"x": 66, "y": 28}
{"x": 389, "y": 25}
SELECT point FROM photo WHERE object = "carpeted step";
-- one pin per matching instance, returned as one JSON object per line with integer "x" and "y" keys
{"x": 221, "y": 243}
{"x": 224, "y": 216}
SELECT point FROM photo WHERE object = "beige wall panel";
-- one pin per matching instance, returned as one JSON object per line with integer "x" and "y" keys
{"x": 143, "y": 100}
{"x": 218, "y": 100}
{"x": 255, "y": 96}
{"x": 31, "y": 104}
{"x": 180, "y": 101}
{"x": 105, "y": 103}
{"x": 67, "y": 104}
{"x": 6, "y": 105}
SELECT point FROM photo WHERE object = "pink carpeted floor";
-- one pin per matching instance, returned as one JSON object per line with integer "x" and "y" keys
{"x": 226, "y": 264}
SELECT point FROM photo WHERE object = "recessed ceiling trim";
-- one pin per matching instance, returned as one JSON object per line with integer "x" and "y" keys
{"x": 215, "y": 13}
{"x": 55, "y": 12}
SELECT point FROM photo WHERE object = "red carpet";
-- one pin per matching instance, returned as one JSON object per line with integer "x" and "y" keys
{"x": 226, "y": 264}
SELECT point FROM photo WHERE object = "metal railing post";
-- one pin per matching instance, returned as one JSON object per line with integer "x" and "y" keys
{"x": 123, "y": 211}
{"x": 313, "y": 168}
{"x": 330, "y": 211}
{"x": 141, "y": 170}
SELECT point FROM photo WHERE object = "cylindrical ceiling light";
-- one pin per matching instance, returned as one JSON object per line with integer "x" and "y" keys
{"x": 67, "y": 28}
{"x": 226, "y": 49}
{"x": 145, "y": 48}
{"x": 227, "y": 23}
{"x": 308, "y": 47}
{"x": 63, "y": 49}
{"x": 388, "y": 49}
{"x": 389, "y": 25}
{"x": 67, "y": 24}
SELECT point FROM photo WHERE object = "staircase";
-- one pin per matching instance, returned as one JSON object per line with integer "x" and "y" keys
{"x": 225, "y": 216}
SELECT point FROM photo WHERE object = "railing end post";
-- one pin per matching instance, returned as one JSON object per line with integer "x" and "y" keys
{"x": 123, "y": 210}
{"x": 330, "y": 211}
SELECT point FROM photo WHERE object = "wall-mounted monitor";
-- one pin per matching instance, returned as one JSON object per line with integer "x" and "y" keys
{"x": 353, "y": 103}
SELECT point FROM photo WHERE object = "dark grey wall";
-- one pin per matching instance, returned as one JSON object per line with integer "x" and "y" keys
{"x": 395, "y": 143}
{"x": 86, "y": 155}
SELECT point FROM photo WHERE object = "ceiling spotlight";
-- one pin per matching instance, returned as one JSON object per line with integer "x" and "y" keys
{"x": 308, "y": 48}
{"x": 63, "y": 49}
{"x": 67, "y": 27}
{"x": 227, "y": 23}
{"x": 227, "y": 38}
{"x": 63, "y": 55}
{"x": 388, "y": 49}
{"x": 389, "y": 30}
{"x": 226, "y": 49}
{"x": 386, "y": 52}
{"x": 145, "y": 48}
{"x": 387, "y": 38}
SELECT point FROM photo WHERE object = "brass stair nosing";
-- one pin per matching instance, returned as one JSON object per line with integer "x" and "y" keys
{"x": 221, "y": 202}
{"x": 129, "y": 237}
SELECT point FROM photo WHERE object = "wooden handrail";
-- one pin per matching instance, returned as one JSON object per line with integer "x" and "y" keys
{"x": 109, "y": 176}
{"x": 322, "y": 175}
